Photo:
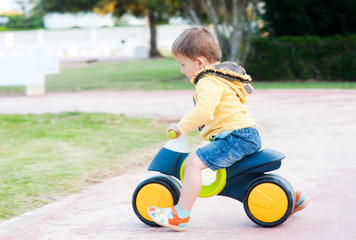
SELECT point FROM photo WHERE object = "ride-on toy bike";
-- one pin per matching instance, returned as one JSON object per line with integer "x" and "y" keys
{"x": 268, "y": 199}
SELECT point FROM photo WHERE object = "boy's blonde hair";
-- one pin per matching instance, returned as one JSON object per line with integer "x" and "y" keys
{"x": 197, "y": 41}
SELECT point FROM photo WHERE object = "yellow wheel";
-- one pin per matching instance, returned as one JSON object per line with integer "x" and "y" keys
{"x": 160, "y": 191}
{"x": 269, "y": 200}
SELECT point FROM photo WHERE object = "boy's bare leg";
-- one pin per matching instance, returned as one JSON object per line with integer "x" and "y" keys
{"x": 192, "y": 182}
{"x": 177, "y": 217}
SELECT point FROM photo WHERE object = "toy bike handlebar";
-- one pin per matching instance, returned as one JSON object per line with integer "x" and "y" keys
{"x": 172, "y": 134}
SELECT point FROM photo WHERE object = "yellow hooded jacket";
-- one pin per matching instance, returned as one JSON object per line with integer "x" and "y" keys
{"x": 220, "y": 95}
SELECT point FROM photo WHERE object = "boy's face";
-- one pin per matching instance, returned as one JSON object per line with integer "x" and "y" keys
{"x": 188, "y": 66}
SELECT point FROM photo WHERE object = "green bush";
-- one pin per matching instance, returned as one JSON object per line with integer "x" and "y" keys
{"x": 303, "y": 58}
{"x": 20, "y": 21}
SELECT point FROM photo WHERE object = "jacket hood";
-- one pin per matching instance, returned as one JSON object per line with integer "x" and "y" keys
{"x": 230, "y": 73}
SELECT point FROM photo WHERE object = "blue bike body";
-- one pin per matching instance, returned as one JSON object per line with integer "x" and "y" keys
{"x": 239, "y": 174}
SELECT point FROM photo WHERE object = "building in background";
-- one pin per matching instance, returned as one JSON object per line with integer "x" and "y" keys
{"x": 78, "y": 20}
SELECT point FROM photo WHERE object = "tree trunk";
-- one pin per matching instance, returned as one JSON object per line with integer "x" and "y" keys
{"x": 153, "y": 53}
{"x": 229, "y": 25}
{"x": 235, "y": 34}
{"x": 191, "y": 13}
{"x": 249, "y": 32}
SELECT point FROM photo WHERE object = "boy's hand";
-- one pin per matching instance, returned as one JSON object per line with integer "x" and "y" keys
{"x": 173, "y": 126}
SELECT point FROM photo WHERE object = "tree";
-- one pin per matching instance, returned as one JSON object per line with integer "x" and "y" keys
{"x": 231, "y": 20}
{"x": 26, "y": 19}
{"x": 154, "y": 10}
{"x": 193, "y": 11}
{"x": 72, "y": 6}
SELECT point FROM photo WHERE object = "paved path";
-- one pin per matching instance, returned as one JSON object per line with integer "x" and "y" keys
{"x": 315, "y": 129}
{"x": 155, "y": 104}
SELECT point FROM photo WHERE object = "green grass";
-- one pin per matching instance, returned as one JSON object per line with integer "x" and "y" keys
{"x": 45, "y": 157}
{"x": 154, "y": 74}
{"x": 5, "y": 29}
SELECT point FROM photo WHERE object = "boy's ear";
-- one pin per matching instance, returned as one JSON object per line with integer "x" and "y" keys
{"x": 201, "y": 61}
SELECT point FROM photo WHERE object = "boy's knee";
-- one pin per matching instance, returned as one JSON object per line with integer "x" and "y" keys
{"x": 194, "y": 162}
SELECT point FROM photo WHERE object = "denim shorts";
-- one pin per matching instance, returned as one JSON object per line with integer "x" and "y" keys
{"x": 223, "y": 152}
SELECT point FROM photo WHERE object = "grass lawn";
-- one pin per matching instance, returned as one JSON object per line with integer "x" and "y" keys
{"x": 153, "y": 74}
{"x": 5, "y": 29}
{"x": 45, "y": 157}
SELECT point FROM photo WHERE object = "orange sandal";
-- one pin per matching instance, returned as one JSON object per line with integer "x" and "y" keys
{"x": 301, "y": 201}
{"x": 162, "y": 216}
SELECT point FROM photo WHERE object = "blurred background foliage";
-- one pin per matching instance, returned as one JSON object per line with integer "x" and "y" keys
{"x": 303, "y": 58}
{"x": 306, "y": 39}
{"x": 274, "y": 40}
